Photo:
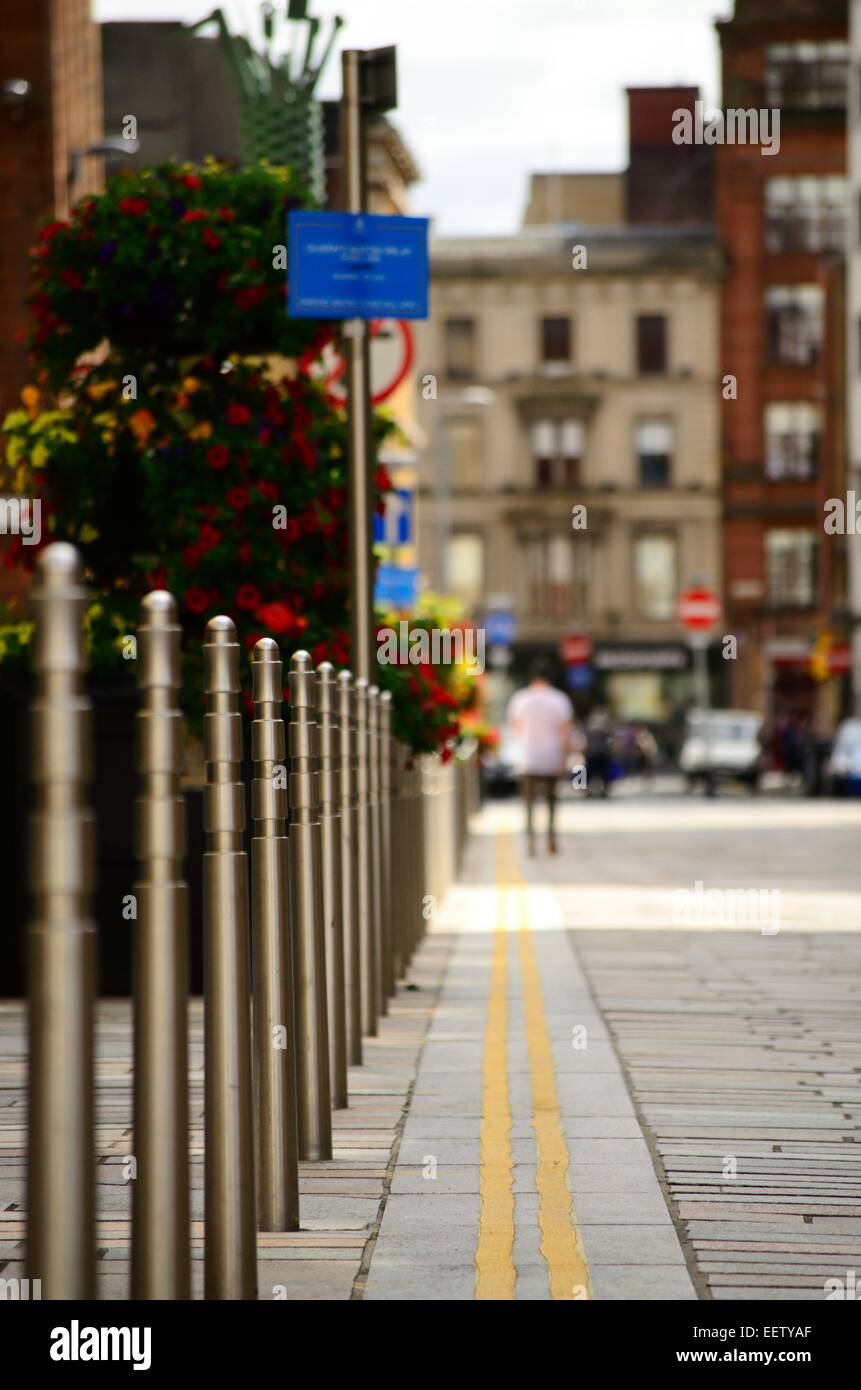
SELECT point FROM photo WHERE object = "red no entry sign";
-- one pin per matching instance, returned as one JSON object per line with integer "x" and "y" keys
{"x": 699, "y": 608}
{"x": 575, "y": 649}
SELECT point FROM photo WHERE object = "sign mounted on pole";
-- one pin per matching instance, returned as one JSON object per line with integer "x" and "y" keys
{"x": 357, "y": 265}
{"x": 699, "y": 608}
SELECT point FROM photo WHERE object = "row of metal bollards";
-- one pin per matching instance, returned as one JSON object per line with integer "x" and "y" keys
{"x": 352, "y": 839}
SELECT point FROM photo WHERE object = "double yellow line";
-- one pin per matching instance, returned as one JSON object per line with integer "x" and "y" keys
{"x": 561, "y": 1246}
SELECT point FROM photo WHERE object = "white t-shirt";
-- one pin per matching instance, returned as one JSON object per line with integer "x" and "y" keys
{"x": 538, "y": 715}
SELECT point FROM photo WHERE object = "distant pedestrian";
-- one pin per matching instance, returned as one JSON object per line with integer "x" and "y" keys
{"x": 542, "y": 720}
{"x": 599, "y": 752}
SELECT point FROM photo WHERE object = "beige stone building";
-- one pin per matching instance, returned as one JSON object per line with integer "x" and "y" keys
{"x": 548, "y": 388}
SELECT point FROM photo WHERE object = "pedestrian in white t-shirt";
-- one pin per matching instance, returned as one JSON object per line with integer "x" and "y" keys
{"x": 543, "y": 721}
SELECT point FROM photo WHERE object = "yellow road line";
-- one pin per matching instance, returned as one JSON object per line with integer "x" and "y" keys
{"x": 494, "y": 1266}
{"x": 561, "y": 1245}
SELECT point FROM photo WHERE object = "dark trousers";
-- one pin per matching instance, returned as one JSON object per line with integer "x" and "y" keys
{"x": 532, "y": 786}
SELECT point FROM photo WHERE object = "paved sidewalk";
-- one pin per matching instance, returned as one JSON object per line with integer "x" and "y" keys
{"x": 574, "y": 1098}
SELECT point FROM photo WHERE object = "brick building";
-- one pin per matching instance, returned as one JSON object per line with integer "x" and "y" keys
{"x": 781, "y": 219}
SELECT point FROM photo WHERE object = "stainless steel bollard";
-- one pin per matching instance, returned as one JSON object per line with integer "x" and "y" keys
{"x": 376, "y": 844}
{"x": 347, "y": 778}
{"x": 333, "y": 910}
{"x": 306, "y": 900}
{"x": 386, "y": 897}
{"x": 396, "y": 850}
{"x": 161, "y": 1232}
{"x": 272, "y": 955}
{"x": 368, "y": 943}
{"x": 230, "y": 1255}
{"x": 61, "y": 942}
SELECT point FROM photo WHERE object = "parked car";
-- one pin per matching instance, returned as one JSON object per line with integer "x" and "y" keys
{"x": 843, "y": 767}
{"x": 722, "y": 745}
{"x": 499, "y": 766}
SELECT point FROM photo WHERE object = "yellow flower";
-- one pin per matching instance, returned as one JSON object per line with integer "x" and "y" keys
{"x": 30, "y": 397}
{"x": 14, "y": 450}
{"x": 20, "y": 478}
{"x": 100, "y": 389}
{"x": 40, "y": 455}
{"x": 190, "y": 385}
{"x": 201, "y": 431}
{"x": 15, "y": 419}
{"x": 87, "y": 534}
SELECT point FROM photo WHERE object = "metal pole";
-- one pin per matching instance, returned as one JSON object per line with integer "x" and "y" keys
{"x": 365, "y": 875}
{"x": 358, "y": 382}
{"x": 161, "y": 1232}
{"x": 272, "y": 955}
{"x": 386, "y": 902}
{"x": 330, "y": 818}
{"x": 396, "y": 849}
{"x": 61, "y": 943}
{"x": 376, "y": 843}
{"x": 350, "y": 866}
{"x": 230, "y": 1254}
{"x": 309, "y": 942}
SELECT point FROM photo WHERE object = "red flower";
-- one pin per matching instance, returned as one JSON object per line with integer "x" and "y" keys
{"x": 194, "y": 215}
{"x": 250, "y": 296}
{"x": 192, "y": 555}
{"x": 268, "y": 489}
{"x": 190, "y": 181}
{"x": 276, "y": 616}
{"x": 238, "y": 414}
{"x": 237, "y": 498}
{"x": 210, "y": 238}
{"x": 308, "y": 522}
{"x": 226, "y": 213}
{"x": 208, "y": 536}
{"x": 49, "y": 232}
{"x": 292, "y": 530}
{"x": 244, "y": 553}
{"x": 217, "y": 456}
{"x": 248, "y": 596}
{"x": 196, "y": 600}
{"x": 382, "y": 481}
{"x": 264, "y": 436}
{"x": 134, "y": 207}
{"x": 72, "y": 278}
{"x": 319, "y": 652}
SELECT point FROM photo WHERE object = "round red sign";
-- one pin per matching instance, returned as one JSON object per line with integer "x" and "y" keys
{"x": 575, "y": 649}
{"x": 699, "y": 608}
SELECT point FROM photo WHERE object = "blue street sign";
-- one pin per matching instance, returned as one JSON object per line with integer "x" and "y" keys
{"x": 396, "y": 588}
{"x": 579, "y": 677}
{"x": 500, "y": 628}
{"x": 346, "y": 265}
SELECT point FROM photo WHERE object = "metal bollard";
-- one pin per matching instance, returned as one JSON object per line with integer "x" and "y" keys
{"x": 396, "y": 850}
{"x": 333, "y": 911}
{"x": 230, "y": 1254}
{"x": 161, "y": 1232}
{"x": 61, "y": 943}
{"x": 376, "y": 844}
{"x": 306, "y": 898}
{"x": 367, "y": 943}
{"x": 387, "y": 905}
{"x": 350, "y": 866}
{"x": 272, "y": 955}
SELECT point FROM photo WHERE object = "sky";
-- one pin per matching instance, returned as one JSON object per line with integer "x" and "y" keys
{"x": 492, "y": 90}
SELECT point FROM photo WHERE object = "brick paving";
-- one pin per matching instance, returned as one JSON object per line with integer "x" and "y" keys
{"x": 711, "y": 1122}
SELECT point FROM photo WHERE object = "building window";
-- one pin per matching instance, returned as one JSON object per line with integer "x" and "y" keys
{"x": 557, "y": 568}
{"x": 466, "y": 567}
{"x": 790, "y": 568}
{"x": 654, "y": 445}
{"x": 555, "y": 344}
{"x": 460, "y": 349}
{"x": 792, "y": 433}
{"x": 794, "y": 315}
{"x": 463, "y": 440}
{"x": 651, "y": 344}
{"x": 557, "y": 452}
{"x": 806, "y": 75}
{"x": 655, "y": 579}
{"x": 805, "y": 213}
